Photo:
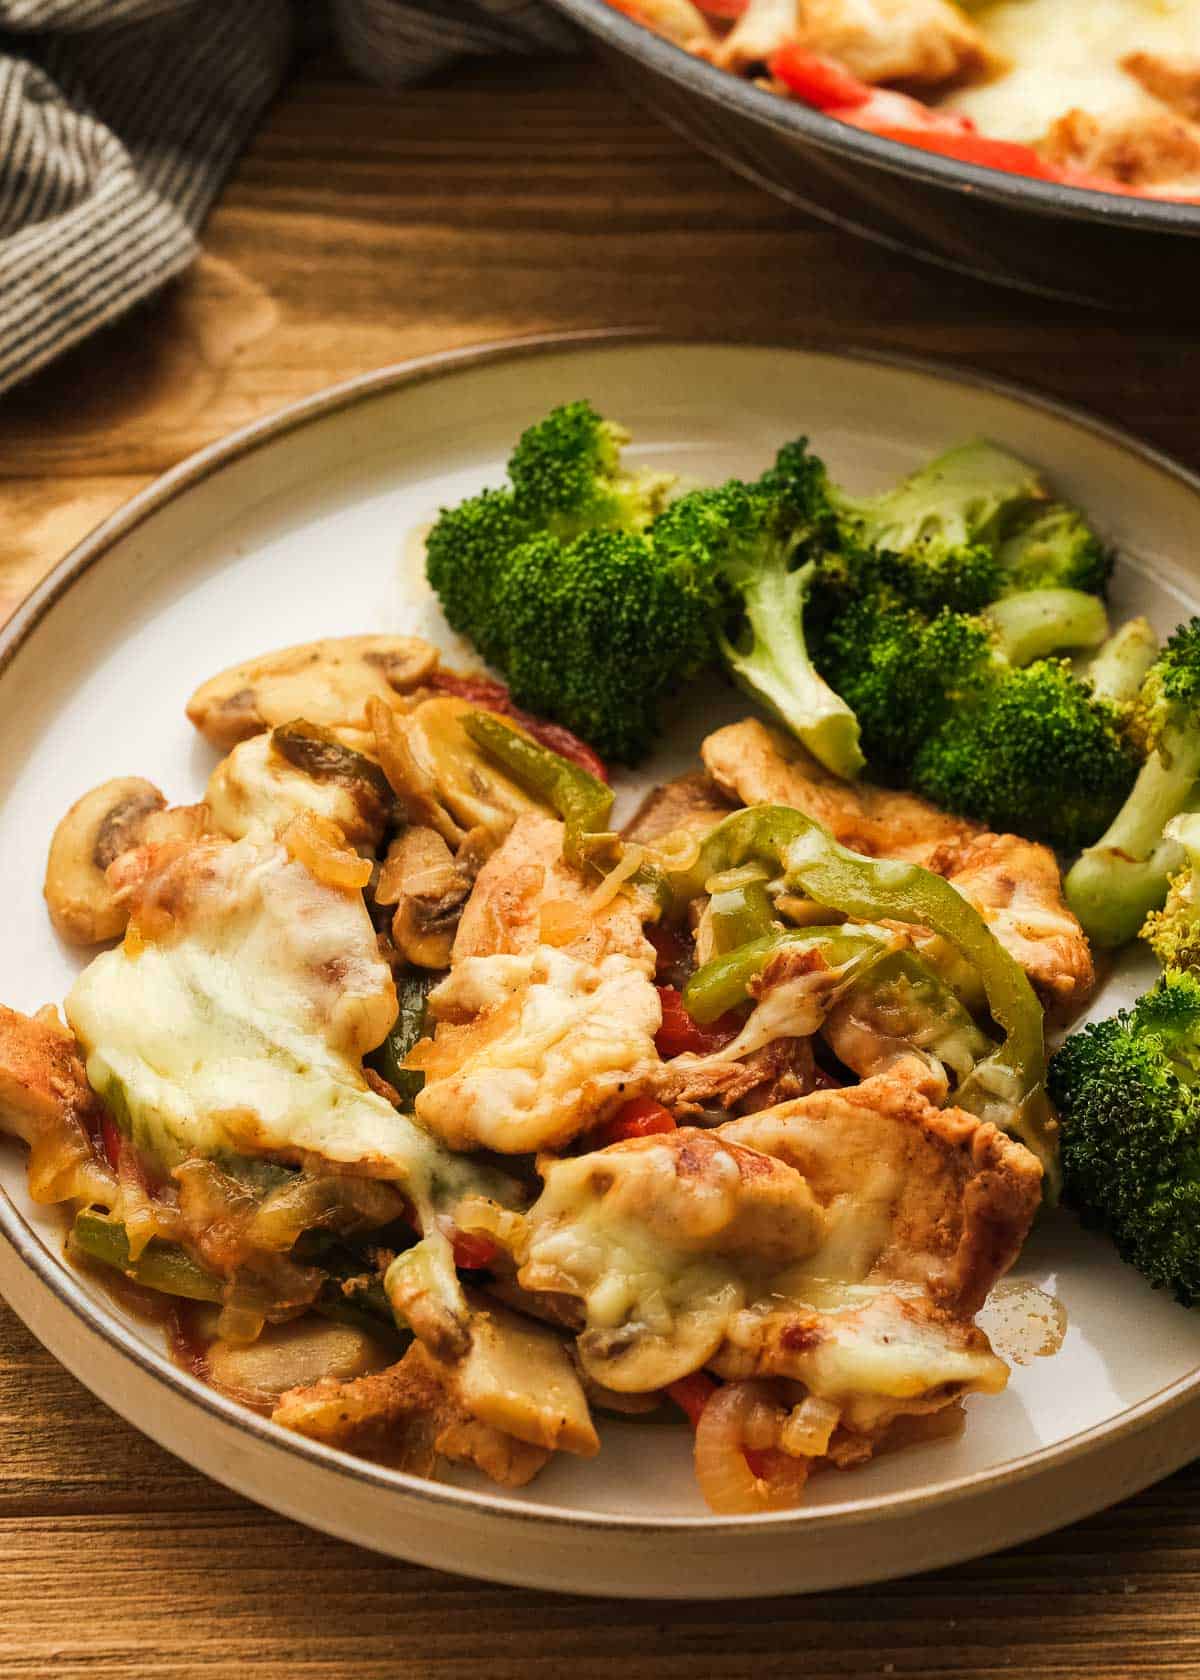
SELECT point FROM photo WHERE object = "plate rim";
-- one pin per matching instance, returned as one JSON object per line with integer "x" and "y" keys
{"x": 212, "y": 458}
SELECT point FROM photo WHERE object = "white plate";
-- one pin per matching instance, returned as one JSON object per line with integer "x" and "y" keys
{"x": 296, "y": 528}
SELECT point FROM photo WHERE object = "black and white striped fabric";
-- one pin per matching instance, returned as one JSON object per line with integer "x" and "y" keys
{"x": 120, "y": 118}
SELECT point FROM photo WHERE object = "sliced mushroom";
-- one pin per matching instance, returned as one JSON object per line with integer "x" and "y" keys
{"x": 421, "y": 878}
{"x": 271, "y": 778}
{"x": 442, "y": 778}
{"x": 328, "y": 682}
{"x": 104, "y": 825}
{"x": 293, "y": 1355}
{"x": 518, "y": 1377}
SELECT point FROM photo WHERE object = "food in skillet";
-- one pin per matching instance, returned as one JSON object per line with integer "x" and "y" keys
{"x": 1104, "y": 94}
{"x": 434, "y": 1115}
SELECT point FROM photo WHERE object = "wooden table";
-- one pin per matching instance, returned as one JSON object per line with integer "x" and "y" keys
{"x": 360, "y": 229}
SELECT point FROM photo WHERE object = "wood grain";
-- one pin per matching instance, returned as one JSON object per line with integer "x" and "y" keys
{"x": 360, "y": 229}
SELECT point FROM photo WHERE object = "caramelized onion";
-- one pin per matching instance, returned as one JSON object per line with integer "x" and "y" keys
{"x": 727, "y": 1481}
{"x": 321, "y": 847}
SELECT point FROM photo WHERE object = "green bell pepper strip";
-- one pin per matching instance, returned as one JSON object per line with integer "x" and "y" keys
{"x": 724, "y": 983}
{"x": 1008, "y": 1086}
{"x": 580, "y": 799}
{"x": 162, "y": 1266}
{"x": 739, "y": 911}
{"x": 412, "y": 992}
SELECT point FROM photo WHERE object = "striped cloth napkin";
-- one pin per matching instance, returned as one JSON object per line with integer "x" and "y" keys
{"x": 120, "y": 118}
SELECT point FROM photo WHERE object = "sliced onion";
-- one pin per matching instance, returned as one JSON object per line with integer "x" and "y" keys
{"x": 726, "y": 1479}
{"x": 631, "y": 861}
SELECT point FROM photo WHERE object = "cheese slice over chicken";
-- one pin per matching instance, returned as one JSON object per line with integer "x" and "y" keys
{"x": 1067, "y": 55}
{"x": 843, "y": 1240}
{"x": 236, "y": 1015}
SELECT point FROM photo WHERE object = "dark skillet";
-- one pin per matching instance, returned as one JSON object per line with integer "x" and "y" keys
{"x": 1098, "y": 248}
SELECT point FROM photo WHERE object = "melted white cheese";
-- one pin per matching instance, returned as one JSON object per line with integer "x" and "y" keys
{"x": 244, "y": 1026}
{"x": 1065, "y": 55}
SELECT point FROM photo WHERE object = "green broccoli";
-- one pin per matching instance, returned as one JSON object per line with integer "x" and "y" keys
{"x": 567, "y": 476}
{"x": 902, "y": 673}
{"x": 597, "y": 632}
{"x": 1118, "y": 881}
{"x": 1035, "y": 623}
{"x": 982, "y": 523}
{"x": 1053, "y": 547}
{"x": 1118, "y": 669}
{"x": 755, "y": 543}
{"x": 970, "y": 496}
{"x": 1126, "y": 1093}
{"x": 1033, "y": 752}
{"x": 1173, "y": 933}
{"x": 464, "y": 552}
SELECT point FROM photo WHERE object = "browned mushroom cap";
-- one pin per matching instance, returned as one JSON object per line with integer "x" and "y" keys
{"x": 421, "y": 878}
{"x": 266, "y": 781}
{"x": 328, "y": 682}
{"x": 442, "y": 778}
{"x": 104, "y": 825}
{"x": 95, "y": 831}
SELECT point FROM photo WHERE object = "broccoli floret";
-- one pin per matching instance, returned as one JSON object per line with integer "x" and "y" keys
{"x": 902, "y": 673}
{"x": 1117, "y": 882}
{"x": 968, "y": 498}
{"x": 567, "y": 476}
{"x": 1126, "y": 1094}
{"x": 464, "y": 552}
{"x": 1034, "y": 752}
{"x": 1173, "y": 933}
{"x": 1054, "y": 547}
{"x": 1036, "y": 623}
{"x": 753, "y": 544}
{"x": 597, "y": 632}
{"x": 1120, "y": 667}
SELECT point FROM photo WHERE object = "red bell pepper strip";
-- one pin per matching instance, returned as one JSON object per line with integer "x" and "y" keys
{"x": 473, "y": 1250}
{"x": 110, "y": 1140}
{"x": 818, "y": 81}
{"x": 492, "y": 696}
{"x": 641, "y": 1117}
{"x": 691, "y": 1394}
{"x": 679, "y": 1033}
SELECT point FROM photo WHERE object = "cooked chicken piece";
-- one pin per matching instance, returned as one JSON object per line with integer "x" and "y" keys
{"x": 407, "y": 1417}
{"x": 674, "y": 20}
{"x": 1013, "y": 883}
{"x": 46, "y": 1101}
{"x": 525, "y": 895}
{"x": 328, "y": 682}
{"x": 267, "y": 780}
{"x": 778, "y": 1072}
{"x": 658, "y": 1237}
{"x": 1176, "y": 82}
{"x": 912, "y": 1193}
{"x": 853, "y": 1263}
{"x": 1016, "y": 886}
{"x": 531, "y": 1051}
{"x": 924, "y": 43}
{"x": 1144, "y": 149}
{"x": 758, "y": 765}
{"x": 691, "y": 804}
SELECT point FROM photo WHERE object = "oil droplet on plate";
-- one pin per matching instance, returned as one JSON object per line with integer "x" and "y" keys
{"x": 1023, "y": 1322}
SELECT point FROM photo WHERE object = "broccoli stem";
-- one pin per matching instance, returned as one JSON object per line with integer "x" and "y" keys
{"x": 1116, "y": 883}
{"x": 1040, "y": 622}
{"x": 1117, "y": 671}
{"x": 778, "y": 671}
